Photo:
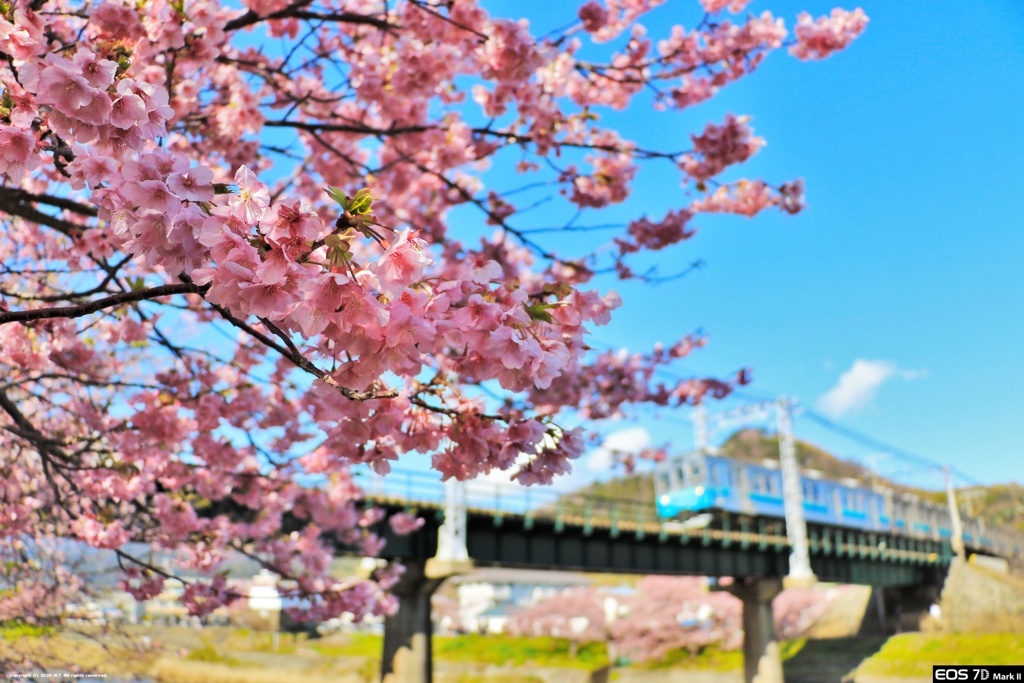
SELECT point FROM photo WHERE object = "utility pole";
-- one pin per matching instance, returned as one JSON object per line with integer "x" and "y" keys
{"x": 954, "y": 515}
{"x": 793, "y": 497}
{"x": 451, "y": 542}
{"x": 699, "y": 415}
{"x": 800, "y": 572}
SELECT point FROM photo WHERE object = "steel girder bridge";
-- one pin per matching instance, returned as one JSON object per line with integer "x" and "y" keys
{"x": 487, "y": 524}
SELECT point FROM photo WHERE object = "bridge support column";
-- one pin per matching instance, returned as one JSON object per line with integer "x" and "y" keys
{"x": 762, "y": 662}
{"x": 407, "y": 656}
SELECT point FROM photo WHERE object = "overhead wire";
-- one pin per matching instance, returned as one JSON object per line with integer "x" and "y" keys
{"x": 860, "y": 437}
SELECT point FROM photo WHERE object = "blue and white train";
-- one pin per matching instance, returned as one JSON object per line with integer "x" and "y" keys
{"x": 700, "y": 482}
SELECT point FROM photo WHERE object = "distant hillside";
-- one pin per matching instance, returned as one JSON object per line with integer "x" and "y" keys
{"x": 1000, "y": 504}
{"x": 755, "y": 445}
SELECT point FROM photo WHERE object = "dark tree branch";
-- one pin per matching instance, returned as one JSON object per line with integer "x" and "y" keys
{"x": 16, "y": 203}
{"x": 23, "y": 197}
{"x": 292, "y": 353}
{"x": 359, "y": 129}
{"x": 100, "y": 304}
{"x": 296, "y": 11}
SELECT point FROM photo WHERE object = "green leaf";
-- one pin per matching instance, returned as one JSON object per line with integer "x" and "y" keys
{"x": 539, "y": 311}
{"x": 361, "y": 203}
{"x": 338, "y": 195}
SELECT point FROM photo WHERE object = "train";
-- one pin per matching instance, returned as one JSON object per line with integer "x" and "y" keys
{"x": 699, "y": 482}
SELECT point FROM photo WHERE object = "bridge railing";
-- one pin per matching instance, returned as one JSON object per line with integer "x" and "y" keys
{"x": 500, "y": 499}
{"x": 424, "y": 493}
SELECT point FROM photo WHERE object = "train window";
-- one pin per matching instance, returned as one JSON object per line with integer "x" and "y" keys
{"x": 719, "y": 474}
{"x": 681, "y": 473}
{"x": 698, "y": 471}
{"x": 761, "y": 482}
{"x": 810, "y": 493}
{"x": 664, "y": 480}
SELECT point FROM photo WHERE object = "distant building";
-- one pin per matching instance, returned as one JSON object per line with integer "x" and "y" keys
{"x": 262, "y": 609}
{"x": 485, "y": 599}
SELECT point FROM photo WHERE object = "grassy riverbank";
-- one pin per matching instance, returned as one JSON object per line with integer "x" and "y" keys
{"x": 911, "y": 655}
{"x": 227, "y": 655}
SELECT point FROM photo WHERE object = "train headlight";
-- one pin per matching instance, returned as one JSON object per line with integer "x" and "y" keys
{"x": 665, "y": 499}
{"x": 699, "y": 490}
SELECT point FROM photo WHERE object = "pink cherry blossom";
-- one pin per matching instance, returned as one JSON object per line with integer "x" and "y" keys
{"x": 22, "y": 39}
{"x": 735, "y": 6}
{"x": 17, "y": 152}
{"x": 720, "y": 146}
{"x": 62, "y": 84}
{"x": 819, "y": 38}
{"x": 405, "y": 523}
{"x": 253, "y": 197}
{"x": 402, "y": 264}
{"x": 129, "y": 109}
{"x": 99, "y": 535}
{"x": 193, "y": 185}
{"x": 594, "y": 16}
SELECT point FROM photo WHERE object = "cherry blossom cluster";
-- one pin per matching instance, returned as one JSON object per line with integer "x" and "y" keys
{"x": 819, "y": 38}
{"x": 750, "y": 197}
{"x": 229, "y": 275}
{"x": 718, "y": 147}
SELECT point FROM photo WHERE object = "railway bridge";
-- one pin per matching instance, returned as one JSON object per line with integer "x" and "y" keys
{"x": 491, "y": 525}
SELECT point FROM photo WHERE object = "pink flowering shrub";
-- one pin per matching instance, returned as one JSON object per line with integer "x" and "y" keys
{"x": 230, "y": 275}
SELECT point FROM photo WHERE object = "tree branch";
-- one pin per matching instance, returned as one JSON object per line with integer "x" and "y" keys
{"x": 99, "y": 304}
{"x": 14, "y": 202}
{"x": 292, "y": 353}
{"x": 348, "y": 128}
{"x": 296, "y": 11}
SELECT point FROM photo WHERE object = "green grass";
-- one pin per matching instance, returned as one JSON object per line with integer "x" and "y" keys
{"x": 209, "y": 654}
{"x": 709, "y": 657}
{"x": 14, "y": 631}
{"x": 500, "y": 678}
{"x": 497, "y": 650}
{"x": 357, "y": 645}
{"x": 913, "y": 654}
{"x": 517, "y": 651}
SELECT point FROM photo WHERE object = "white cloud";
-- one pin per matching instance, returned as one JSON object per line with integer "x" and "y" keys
{"x": 623, "y": 442}
{"x": 857, "y": 386}
{"x": 601, "y": 460}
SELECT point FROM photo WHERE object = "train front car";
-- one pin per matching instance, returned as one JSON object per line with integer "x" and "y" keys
{"x": 682, "y": 485}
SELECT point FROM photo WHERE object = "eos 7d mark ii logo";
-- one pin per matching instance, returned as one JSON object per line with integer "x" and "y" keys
{"x": 978, "y": 673}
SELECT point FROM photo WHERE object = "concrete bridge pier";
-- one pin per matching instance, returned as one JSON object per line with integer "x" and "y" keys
{"x": 408, "y": 633}
{"x": 762, "y": 662}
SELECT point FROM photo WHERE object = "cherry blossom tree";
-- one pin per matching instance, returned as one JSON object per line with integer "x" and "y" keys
{"x": 664, "y": 614}
{"x": 676, "y": 612}
{"x": 574, "y": 613}
{"x": 239, "y": 258}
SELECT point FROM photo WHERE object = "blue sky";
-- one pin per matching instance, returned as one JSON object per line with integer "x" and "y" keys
{"x": 891, "y": 304}
{"x": 904, "y": 271}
